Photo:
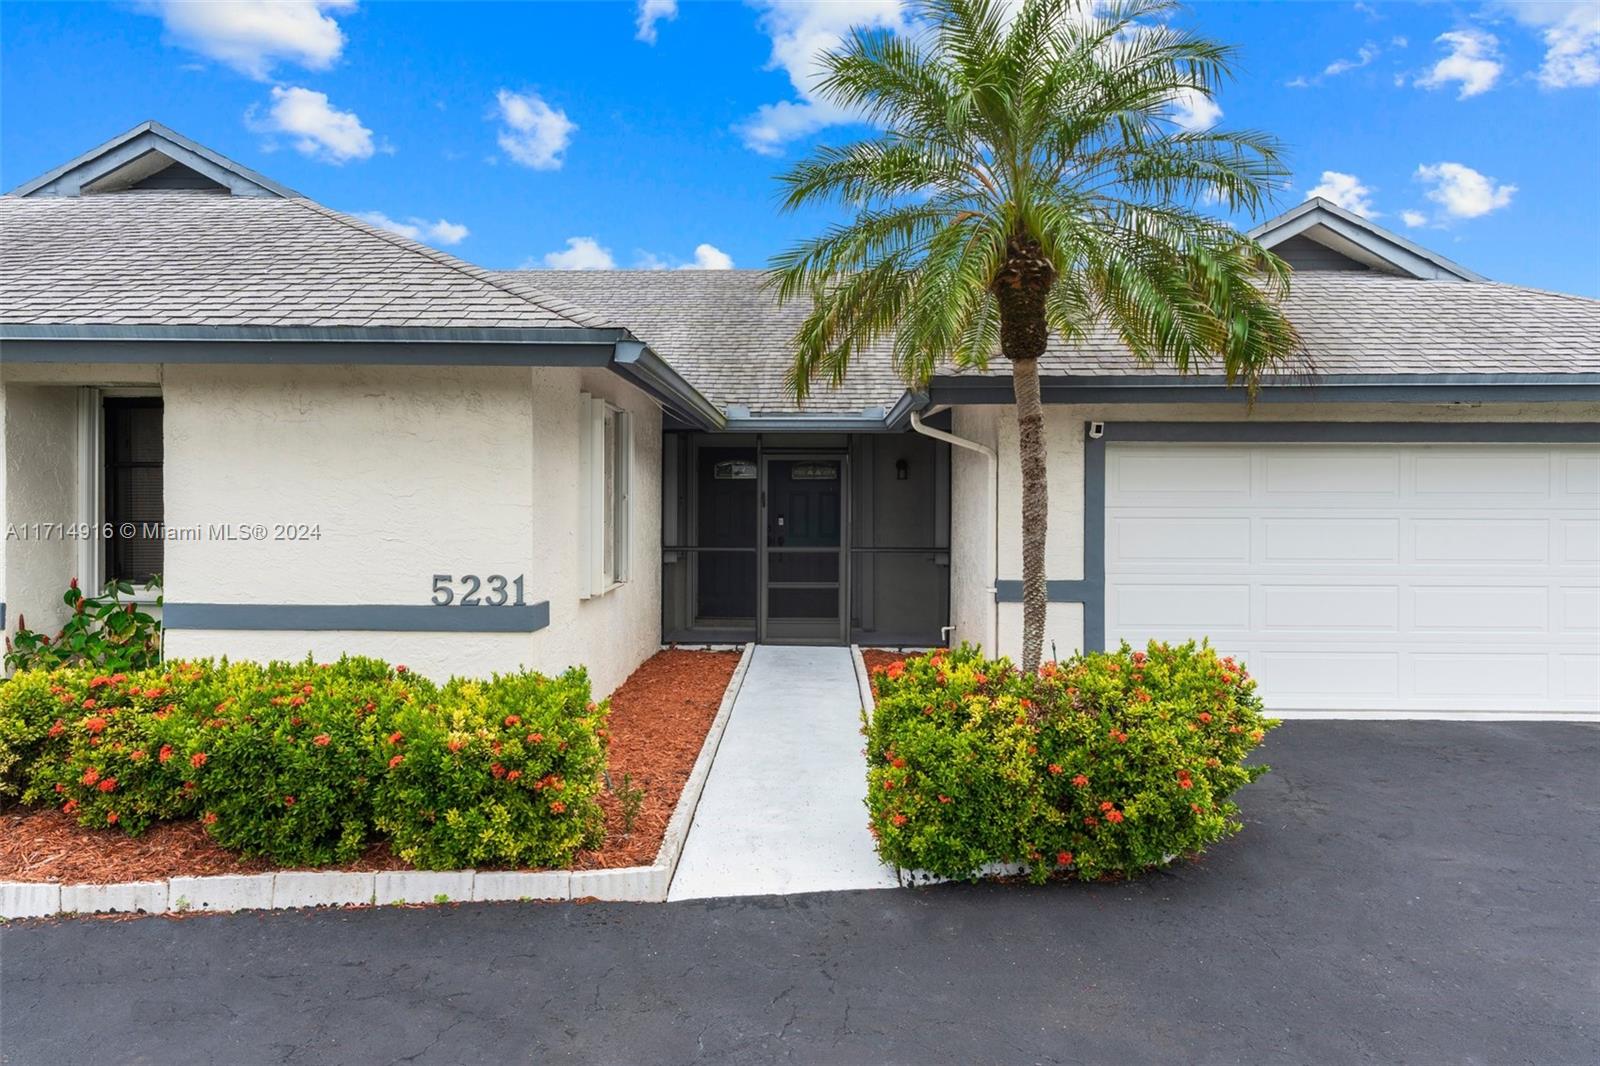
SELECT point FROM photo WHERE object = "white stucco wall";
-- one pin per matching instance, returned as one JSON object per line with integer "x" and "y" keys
{"x": 1064, "y": 428}
{"x": 408, "y": 472}
{"x": 38, "y": 476}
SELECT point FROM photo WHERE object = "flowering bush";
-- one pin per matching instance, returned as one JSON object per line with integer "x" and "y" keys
{"x": 502, "y": 772}
{"x": 293, "y": 761}
{"x": 284, "y": 757}
{"x": 1109, "y": 763}
{"x": 102, "y": 631}
{"x": 106, "y": 753}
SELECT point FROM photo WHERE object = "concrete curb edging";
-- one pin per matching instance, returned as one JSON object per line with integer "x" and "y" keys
{"x": 286, "y": 889}
{"x": 863, "y": 679}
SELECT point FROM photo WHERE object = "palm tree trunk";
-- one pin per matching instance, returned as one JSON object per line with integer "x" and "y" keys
{"x": 1035, "y": 507}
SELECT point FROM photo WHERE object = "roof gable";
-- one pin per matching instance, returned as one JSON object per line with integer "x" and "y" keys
{"x": 1319, "y": 235}
{"x": 151, "y": 156}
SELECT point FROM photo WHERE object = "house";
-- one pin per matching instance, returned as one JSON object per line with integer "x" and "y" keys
{"x": 327, "y": 438}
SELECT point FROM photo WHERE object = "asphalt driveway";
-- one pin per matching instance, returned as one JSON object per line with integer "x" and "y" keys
{"x": 1404, "y": 892}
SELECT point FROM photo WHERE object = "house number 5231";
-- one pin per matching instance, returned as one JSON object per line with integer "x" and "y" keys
{"x": 492, "y": 591}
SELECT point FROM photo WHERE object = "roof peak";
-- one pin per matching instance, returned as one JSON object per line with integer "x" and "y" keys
{"x": 140, "y": 154}
{"x": 1358, "y": 238}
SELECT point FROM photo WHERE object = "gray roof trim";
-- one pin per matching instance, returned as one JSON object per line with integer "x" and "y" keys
{"x": 309, "y": 353}
{"x": 69, "y": 178}
{"x": 870, "y": 420}
{"x": 1333, "y": 388}
{"x": 317, "y": 334}
{"x": 635, "y": 361}
{"x": 1402, "y": 254}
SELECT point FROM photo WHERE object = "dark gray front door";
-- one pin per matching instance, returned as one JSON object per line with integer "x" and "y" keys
{"x": 803, "y": 562}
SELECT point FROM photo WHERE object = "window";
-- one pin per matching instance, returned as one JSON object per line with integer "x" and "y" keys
{"x": 605, "y": 456}
{"x": 132, "y": 503}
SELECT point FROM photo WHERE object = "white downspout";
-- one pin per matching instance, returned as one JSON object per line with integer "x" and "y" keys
{"x": 990, "y": 646}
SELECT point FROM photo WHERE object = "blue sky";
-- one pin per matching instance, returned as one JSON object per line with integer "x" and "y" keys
{"x": 648, "y": 133}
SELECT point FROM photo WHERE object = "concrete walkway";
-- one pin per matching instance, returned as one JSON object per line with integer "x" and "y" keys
{"x": 783, "y": 809}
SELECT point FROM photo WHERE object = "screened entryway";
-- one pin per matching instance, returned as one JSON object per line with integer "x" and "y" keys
{"x": 805, "y": 538}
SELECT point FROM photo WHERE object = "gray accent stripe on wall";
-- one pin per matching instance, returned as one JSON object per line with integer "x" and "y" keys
{"x": 387, "y": 618}
{"x": 1090, "y": 591}
{"x": 2, "y": 617}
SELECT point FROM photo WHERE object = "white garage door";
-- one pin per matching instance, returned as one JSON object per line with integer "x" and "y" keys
{"x": 1426, "y": 578}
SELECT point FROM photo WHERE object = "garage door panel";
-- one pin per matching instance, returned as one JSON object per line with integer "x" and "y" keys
{"x": 1300, "y": 471}
{"x": 1297, "y": 675}
{"x": 1480, "y": 540}
{"x": 1322, "y": 539}
{"x": 1362, "y": 608}
{"x": 1481, "y": 674}
{"x": 1180, "y": 540}
{"x": 1368, "y": 577}
{"x": 1183, "y": 609}
{"x": 1481, "y": 608}
{"x": 1481, "y": 473}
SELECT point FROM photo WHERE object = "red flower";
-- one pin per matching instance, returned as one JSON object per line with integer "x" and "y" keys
{"x": 535, "y": 738}
{"x": 1081, "y": 781}
{"x": 982, "y": 679}
{"x": 1063, "y": 858}
{"x": 209, "y": 818}
{"x": 111, "y": 817}
{"x": 513, "y": 720}
{"x": 198, "y": 759}
{"x": 400, "y": 669}
{"x": 888, "y": 785}
{"x": 1205, "y": 716}
{"x": 298, "y": 701}
{"x": 396, "y": 737}
{"x": 455, "y": 744}
{"x": 1196, "y": 808}
{"x": 137, "y": 755}
{"x": 59, "y": 728}
{"x": 512, "y": 775}
{"x": 1107, "y": 805}
{"x": 1091, "y": 821}
{"x": 898, "y": 764}
{"x": 899, "y": 819}
{"x": 288, "y": 801}
{"x": 90, "y": 776}
{"x": 896, "y": 669}
{"x": 69, "y": 806}
{"x": 165, "y": 753}
{"x": 1114, "y": 816}
{"x": 1054, "y": 769}
{"x": 107, "y": 784}
{"x": 497, "y": 770}
{"x": 557, "y": 807}
{"x": 88, "y": 705}
{"x": 322, "y": 740}
{"x": 396, "y": 761}
{"x": 944, "y": 799}
{"x": 307, "y": 690}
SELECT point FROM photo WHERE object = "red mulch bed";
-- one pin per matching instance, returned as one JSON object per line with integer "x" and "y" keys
{"x": 659, "y": 720}
{"x": 876, "y": 657}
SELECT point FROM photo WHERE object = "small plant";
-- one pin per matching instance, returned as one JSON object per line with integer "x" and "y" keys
{"x": 631, "y": 799}
{"x": 103, "y": 632}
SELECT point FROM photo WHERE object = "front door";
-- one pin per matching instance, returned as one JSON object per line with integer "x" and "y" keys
{"x": 803, "y": 564}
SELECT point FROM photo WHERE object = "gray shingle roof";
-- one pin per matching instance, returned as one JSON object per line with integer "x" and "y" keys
{"x": 722, "y": 330}
{"x": 196, "y": 259}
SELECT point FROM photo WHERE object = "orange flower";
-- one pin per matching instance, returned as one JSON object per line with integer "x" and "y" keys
{"x": 1107, "y": 805}
{"x": 1063, "y": 858}
{"x": 455, "y": 744}
{"x": 198, "y": 759}
{"x": 1080, "y": 781}
{"x": 396, "y": 737}
{"x": 209, "y": 818}
{"x": 322, "y": 740}
{"x": 899, "y": 819}
{"x": 1205, "y": 716}
{"x": 288, "y": 801}
{"x": 888, "y": 785}
{"x": 535, "y": 738}
{"x": 107, "y": 784}
{"x": 90, "y": 776}
{"x": 898, "y": 764}
{"x": 499, "y": 771}
{"x": 1055, "y": 769}
{"x": 896, "y": 669}
{"x": 59, "y": 728}
{"x": 111, "y": 817}
{"x": 88, "y": 705}
{"x": 165, "y": 753}
{"x": 137, "y": 755}
{"x": 1114, "y": 816}
{"x": 944, "y": 799}
{"x": 69, "y": 806}
{"x": 558, "y": 807}
{"x": 396, "y": 761}
{"x": 513, "y": 720}
{"x": 512, "y": 775}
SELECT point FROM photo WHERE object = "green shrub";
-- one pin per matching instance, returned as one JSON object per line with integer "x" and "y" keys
{"x": 101, "y": 633}
{"x": 1107, "y": 764}
{"x": 283, "y": 756}
{"x": 499, "y": 772}
{"x": 107, "y": 756}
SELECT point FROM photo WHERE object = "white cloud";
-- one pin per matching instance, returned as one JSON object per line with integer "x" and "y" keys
{"x": 709, "y": 257}
{"x": 1462, "y": 191}
{"x": 532, "y": 132}
{"x": 1194, "y": 110}
{"x": 319, "y": 129}
{"x": 1413, "y": 218}
{"x": 1364, "y": 55}
{"x": 253, "y": 36}
{"x": 1472, "y": 60}
{"x": 1571, "y": 33}
{"x": 438, "y": 231}
{"x": 652, "y": 12}
{"x": 800, "y": 31}
{"x": 581, "y": 253}
{"x": 1345, "y": 190}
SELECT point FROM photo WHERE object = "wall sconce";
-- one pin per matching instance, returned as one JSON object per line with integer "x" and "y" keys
{"x": 902, "y": 470}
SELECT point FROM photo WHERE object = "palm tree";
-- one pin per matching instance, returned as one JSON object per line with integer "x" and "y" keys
{"x": 1029, "y": 179}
